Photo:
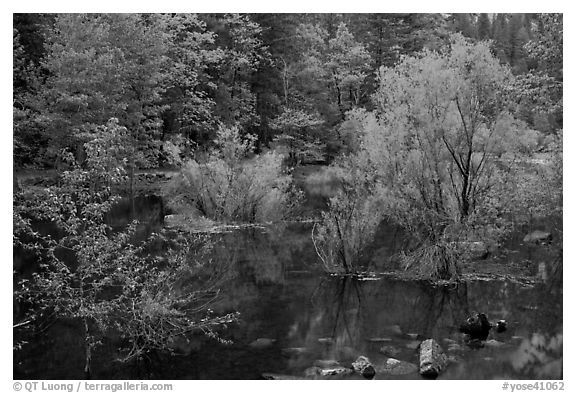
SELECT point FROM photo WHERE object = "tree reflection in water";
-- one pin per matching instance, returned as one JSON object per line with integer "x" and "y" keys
{"x": 540, "y": 356}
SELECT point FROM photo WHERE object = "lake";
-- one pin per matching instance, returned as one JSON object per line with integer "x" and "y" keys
{"x": 293, "y": 316}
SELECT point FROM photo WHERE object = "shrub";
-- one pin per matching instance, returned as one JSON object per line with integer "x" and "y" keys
{"x": 348, "y": 226}
{"x": 232, "y": 187}
{"x": 109, "y": 283}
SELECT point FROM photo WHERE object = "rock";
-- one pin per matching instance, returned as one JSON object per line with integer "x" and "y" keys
{"x": 294, "y": 351}
{"x": 379, "y": 339}
{"x": 390, "y": 351}
{"x": 394, "y": 329}
{"x": 413, "y": 336}
{"x": 326, "y": 363}
{"x": 432, "y": 359}
{"x": 476, "y": 326}
{"x": 312, "y": 372}
{"x": 325, "y": 340}
{"x": 363, "y": 367}
{"x": 335, "y": 371}
{"x": 454, "y": 348}
{"x": 395, "y": 367}
{"x": 494, "y": 344}
{"x": 326, "y": 372}
{"x": 261, "y": 343}
{"x": 474, "y": 343}
{"x": 280, "y": 377}
{"x": 183, "y": 345}
{"x": 478, "y": 250}
{"x": 501, "y": 326}
{"x": 413, "y": 344}
{"x": 538, "y": 237}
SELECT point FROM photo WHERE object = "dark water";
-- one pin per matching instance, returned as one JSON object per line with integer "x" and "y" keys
{"x": 292, "y": 314}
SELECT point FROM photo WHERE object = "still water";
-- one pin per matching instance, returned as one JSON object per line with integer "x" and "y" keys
{"x": 292, "y": 315}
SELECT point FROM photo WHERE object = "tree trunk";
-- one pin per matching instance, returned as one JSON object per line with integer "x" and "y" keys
{"x": 88, "y": 351}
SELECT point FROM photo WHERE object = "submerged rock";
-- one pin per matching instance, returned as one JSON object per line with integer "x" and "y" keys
{"x": 538, "y": 237}
{"x": 379, "y": 339}
{"x": 476, "y": 326}
{"x": 494, "y": 344}
{"x": 454, "y": 347}
{"x": 281, "y": 377}
{"x": 501, "y": 326}
{"x": 394, "y": 329}
{"x": 326, "y": 340}
{"x": 363, "y": 367}
{"x": 312, "y": 372}
{"x": 294, "y": 351}
{"x": 390, "y": 351}
{"x": 432, "y": 359}
{"x": 395, "y": 367}
{"x": 327, "y": 363}
{"x": 261, "y": 343}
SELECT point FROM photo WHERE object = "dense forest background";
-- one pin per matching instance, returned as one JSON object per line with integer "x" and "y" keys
{"x": 288, "y": 79}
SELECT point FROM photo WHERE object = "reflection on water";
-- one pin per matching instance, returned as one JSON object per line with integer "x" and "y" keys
{"x": 293, "y": 315}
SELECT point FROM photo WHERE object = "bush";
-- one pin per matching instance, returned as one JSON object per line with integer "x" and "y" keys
{"x": 109, "y": 284}
{"x": 348, "y": 226}
{"x": 437, "y": 261}
{"x": 232, "y": 187}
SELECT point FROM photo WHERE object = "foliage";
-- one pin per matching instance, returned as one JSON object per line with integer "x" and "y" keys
{"x": 100, "y": 278}
{"x": 349, "y": 225}
{"x": 191, "y": 54}
{"x": 232, "y": 187}
{"x": 298, "y": 136}
{"x": 103, "y": 66}
{"x": 434, "y": 142}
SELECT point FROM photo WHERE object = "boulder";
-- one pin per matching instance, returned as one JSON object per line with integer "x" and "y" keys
{"x": 315, "y": 371}
{"x": 261, "y": 343}
{"x": 432, "y": 359}
{"x": 454, "y": 347}
{"x": 379, "y": 339}
{"x": 280, "y": 377}
{"x": 494, "y": 344}
{"x": 478, "y": 250}
{"x": 538, "y": 237}
{"x": 294, "y": 351}
{"x": 476, "y": 326}
{"x": 326, "y": 363}
{"x": 395, "y": 367}
{"x": 390, "y": 351}
{"x": 363, "y": 367}
{"x": 326, "y": 340}
{"x": 501, "y": 326}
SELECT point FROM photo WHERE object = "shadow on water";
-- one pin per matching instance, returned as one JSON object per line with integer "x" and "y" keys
{"x": 293, "y": 315}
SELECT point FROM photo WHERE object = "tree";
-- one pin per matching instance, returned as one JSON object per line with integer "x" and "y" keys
{"x": 297, "y": 134}
{"x": 189, "y": 88}
{"x": 243, "y": 52}
{"x": 111, "y": 284}
{"x": 541, "y": 89}
{"x": 432, "y": 143}
{"x": 484, "y": 27}
{"x": 103, "y": 66}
